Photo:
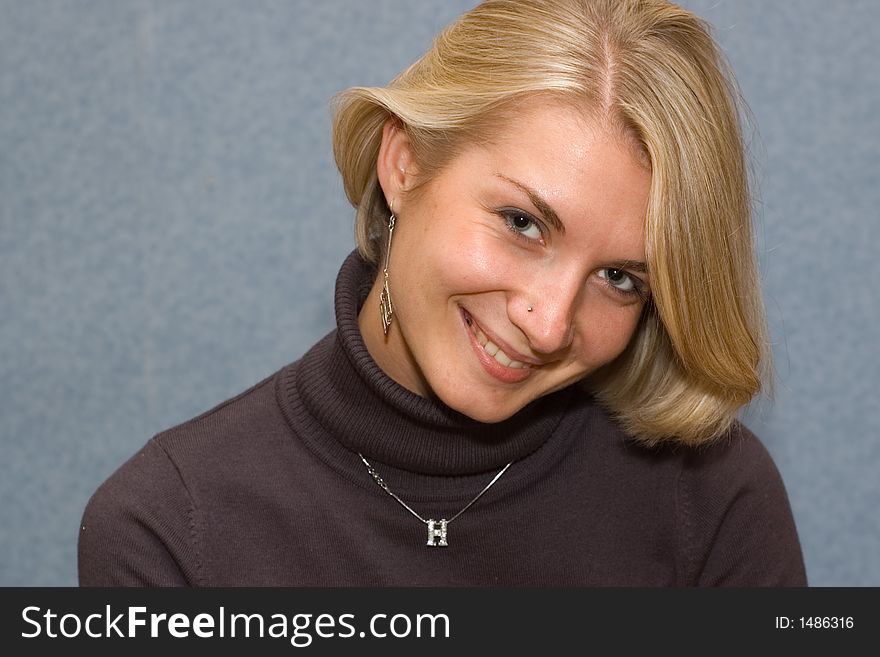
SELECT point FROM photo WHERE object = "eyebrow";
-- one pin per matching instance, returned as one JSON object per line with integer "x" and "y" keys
{"x": 630, "y": 265}
{"x": 542, "y": 205}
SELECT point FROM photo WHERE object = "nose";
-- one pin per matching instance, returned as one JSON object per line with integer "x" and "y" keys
{"x": 545, "y": 312}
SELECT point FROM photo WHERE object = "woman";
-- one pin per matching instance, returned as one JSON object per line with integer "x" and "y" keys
{"x": 543, "y": 339}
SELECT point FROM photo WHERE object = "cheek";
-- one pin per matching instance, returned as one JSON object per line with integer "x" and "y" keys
{"x": 607, "y": 333}
{"x": 470, "y": 264}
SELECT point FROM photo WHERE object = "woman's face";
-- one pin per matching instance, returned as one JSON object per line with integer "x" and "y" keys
{"x": 516, "y": 270}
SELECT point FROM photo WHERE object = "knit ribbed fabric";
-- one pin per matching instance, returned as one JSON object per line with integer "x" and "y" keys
{"x": 268, "y": 489}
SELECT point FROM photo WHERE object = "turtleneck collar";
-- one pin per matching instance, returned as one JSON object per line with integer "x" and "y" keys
{"x": 354, "y": 401}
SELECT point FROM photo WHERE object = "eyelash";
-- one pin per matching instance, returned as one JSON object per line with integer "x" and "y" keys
{"x": 638, "y": 290}
{"x": 510, "y": 214}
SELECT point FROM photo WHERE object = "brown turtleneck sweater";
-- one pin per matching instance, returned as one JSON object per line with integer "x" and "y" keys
{"x": 268, "y": 489}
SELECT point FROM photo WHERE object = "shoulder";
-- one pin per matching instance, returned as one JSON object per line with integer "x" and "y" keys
{"x": 735, "y": 522}
{"x": 137, "y": 526}
{"x": 730, "y": 519}
{"x": 143, "y": 524}
{"x": 722, "y": 469}
{"x": 233, "y": 448}
{"x": 736, "y": 460}
{"x": 253, "y": 424}
{"x": 227, "y": 420}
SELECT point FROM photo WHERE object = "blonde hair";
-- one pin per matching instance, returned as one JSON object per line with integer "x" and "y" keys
{"x": 652, "y": 69}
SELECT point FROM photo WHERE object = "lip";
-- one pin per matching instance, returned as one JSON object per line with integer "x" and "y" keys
{"x": 492, "y": 366}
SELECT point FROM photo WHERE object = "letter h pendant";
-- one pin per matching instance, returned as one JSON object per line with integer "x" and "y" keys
{"x": 437, "y": 533}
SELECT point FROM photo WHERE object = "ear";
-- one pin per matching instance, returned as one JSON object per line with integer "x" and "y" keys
{"x": 395, "y": 166}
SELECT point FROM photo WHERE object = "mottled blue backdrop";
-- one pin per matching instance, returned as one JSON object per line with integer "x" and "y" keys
{"x": 171, "y": 223}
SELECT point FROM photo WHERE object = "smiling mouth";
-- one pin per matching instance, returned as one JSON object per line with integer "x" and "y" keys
{"x": 493, "y": 349}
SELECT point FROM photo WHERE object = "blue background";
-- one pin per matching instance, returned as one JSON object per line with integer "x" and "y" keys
{"x": 171, "y": 224}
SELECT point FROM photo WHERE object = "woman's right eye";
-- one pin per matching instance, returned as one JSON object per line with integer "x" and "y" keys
{"x": 522, "y": 224}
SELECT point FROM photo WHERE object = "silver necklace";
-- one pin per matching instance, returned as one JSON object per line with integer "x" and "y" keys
{"x": 437, "y": 529}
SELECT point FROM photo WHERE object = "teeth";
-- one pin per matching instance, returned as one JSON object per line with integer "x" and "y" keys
{"x": 502, "y": 358}
{"x": 492, "y": 349}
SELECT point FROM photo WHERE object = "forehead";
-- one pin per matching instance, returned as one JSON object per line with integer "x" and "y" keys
{"x": 587, "y": 170}
{"x": 548, "y": 114}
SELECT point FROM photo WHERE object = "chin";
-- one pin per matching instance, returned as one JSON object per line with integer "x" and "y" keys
{"x": 483, "y": 412}
{"x": 488, "y": 416}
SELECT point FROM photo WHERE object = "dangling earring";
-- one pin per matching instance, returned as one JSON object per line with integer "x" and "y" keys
{"x": 385, "y": 307}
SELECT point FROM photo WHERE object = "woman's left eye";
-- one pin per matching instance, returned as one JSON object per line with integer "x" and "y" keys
{"x": 522, "y": 224}
{"x": 619, "y": 280}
